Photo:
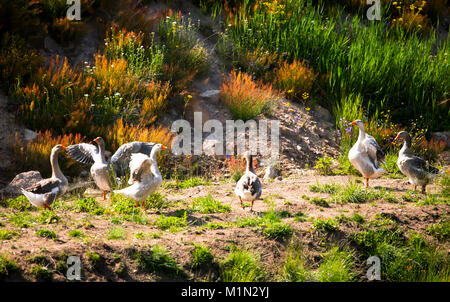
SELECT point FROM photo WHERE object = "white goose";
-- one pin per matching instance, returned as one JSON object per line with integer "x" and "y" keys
{"x": 95, "y": 155}
{"x": 46, "y": 191}
{"x": 418, "y": 171}
{"x": 249, "y": 186}
{"x": 366, "y": 154}
{"x": 145, "y": 177}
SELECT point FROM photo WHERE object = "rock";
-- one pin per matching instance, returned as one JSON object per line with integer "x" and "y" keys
{"x": 324, "y": 114}
{"x": 271, "y": 172}
{"x": 441, "y": 136}
{"x": 22, "y": 180}
{"x": 209, "y": 93}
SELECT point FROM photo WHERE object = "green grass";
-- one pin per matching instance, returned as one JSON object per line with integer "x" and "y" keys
{"x": 325, "y": 225}
{"x": 354, "y": 193}
{"x": 44, "y": 233}
{"x": 21, "y": 220}
{"x": 331, "y": 188}
{"x": 20, "y": 203}
{"x": 157, "y": 201}
{"x": 277, "y": 230}
{"x": 7, "y": 266}
{"x": 294, "y": 268}
{"x": 47, "y": 217}
{"x": 89, "y": 205}
{"x": 170, "y": 223}
{"x": 41, "y": 273}
{"x": 157, "y": 260}
{"x": 241, "y": 266}
{"x": 123, "y": 205}
{"x": 188, "y": 183}
{"x": 208, "y": 204}
{"x": 337, "y": 266}
{"x": 201, "y": 256}
{"x": 7, "y": 234}
{"x": 117, "y": 233}
{"x": 319, "y": 202}
{"x": 433, "y": 199}
{"x": 94, "y": 259}
{"x": 76, "y": 234}
{"x": 324, "y": 165}
{"x": 440, "y": 230}
{"x": 300, "y": 217}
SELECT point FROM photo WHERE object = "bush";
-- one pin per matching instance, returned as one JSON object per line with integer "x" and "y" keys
{"x": 241, "y": 266}
{"x": 245, "y": 98}
{"x": 295, "y": 79}
{"x": 46, "y": 234}
{"x": 201, "y": 256}
{"x": 158, "y": 260}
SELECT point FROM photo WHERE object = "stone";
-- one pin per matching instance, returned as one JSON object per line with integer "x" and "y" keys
{"x": 22, "y": 180}
{"x": 441, "y": 136}
{"x": 209, "y": 93}
{"x": 324, "y": 114}
{"x": 271, "y": 172}
{"x": 93, "y": 192}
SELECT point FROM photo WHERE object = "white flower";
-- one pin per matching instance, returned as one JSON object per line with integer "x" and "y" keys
{"x": 117, "y": 94}
{"x": 86, "y": 95}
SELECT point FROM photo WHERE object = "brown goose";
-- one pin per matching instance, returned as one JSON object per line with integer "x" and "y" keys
{"x": 419, "y": 172}
{"x": 45, "y": 192}
{"x": 366, "y": 154}
{"x": 249, "y": 187}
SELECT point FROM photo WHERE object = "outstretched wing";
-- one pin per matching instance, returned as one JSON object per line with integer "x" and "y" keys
{"x": 124, "y": 152}
{"x": 121, "y": 158}
{"x": 139, "y": 164}
{"x": 83, "y": 153}
{"x": 376, "y": 154}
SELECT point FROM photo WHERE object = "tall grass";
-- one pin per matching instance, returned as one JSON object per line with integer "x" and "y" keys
{"x": 404, "y": 73}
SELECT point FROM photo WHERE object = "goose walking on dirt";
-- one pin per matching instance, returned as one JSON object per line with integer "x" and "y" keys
{"x": 418, "y": 171}
{"x": 366, "y": 154}
{"x": 46, "y": 191}
{"x": 145, "y": 177}
{"x": 101, "y": 168}
{"x": 249, "y": 187}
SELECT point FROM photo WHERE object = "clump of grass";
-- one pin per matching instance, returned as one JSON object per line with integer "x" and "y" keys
{"x": 89, "y": 205}
{"x": 337, "y": 266}
{"x": 7, "y": 234}
{"x": 41, "y": 273}
{"x": 294, "y": 268}
{"x": 245, "y": 98}
{"x": 433, "y": 199}
{"x": 44, "y": 233}
{"x": 320, "y": 202}
{"x": 21, "y": 220}
{"x": 117, "y": 233}
{"x": 94, "y": 259}
{"x": 123, "y": 205}
{"x": 173, "y": 224}
{"x": 216, "y": 225}
{"x": 356, "y": 217}
{"x": 47, "y": 217}
{"x": 20, "y": 203}
{"x": 440, "y": 230}
{"x": 295, "y": 79}
{"x": 76, "y": 234}
{"x": 324, "y": 165}
{"x": 7, "y": 266}
{"x": 277, "y": 230}
{"x": 354, "y": 193}
{"x": 331, "y": 188}
{"x": 208, "y": 205}
{"x": 325, "y": 225}
{"x": 241, "y": 266}
{"x": 201, "y": 256}
{"x": 157, "y": 201}
{"x": 158, "y": 260}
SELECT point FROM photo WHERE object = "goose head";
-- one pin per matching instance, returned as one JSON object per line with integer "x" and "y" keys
{"x": 58, "y": 148}
{"x": 99, "y": 141}
{"x": 403, "y": 136}
{"x": 358, "y": 123}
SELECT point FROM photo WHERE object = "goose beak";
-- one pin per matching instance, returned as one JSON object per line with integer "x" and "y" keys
{"x": 163, "y": 147}
{"x": 63, "y": 147}
{"x": 353, "y": 123}
{"x": 396, "y": 137}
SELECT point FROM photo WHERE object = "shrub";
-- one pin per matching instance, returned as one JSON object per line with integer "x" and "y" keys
{"x": 117, "y": 233}
{"x": 325, "y": 225}
{"x": 201, "y": 256}
{"x": 295, "y": 79}
{"x": 173, "y": 224}
{"x": 7, "y": 234}
{"x": 7, "y": 266}
{"x": 337, "y": 266}
{"x": 245, "y": 98}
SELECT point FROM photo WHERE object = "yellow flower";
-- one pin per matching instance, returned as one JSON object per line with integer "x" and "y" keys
{"x": 394, "y": 20}
{"x": 420, "y": 26}
{"x": 290, "y": 91}
{"x": 305, "y": 95}
{"x": 288, "y": 104}
{"x": 399, "y": 7}
{"x": 189, "y": 96}
{"x": 32, "y": 106}
{"x": 307, "y": 108}
{"x": 420, "y": 9}
{"x": 412, "y": 7}
{"x": 400, "y": 19}
{"x": 394, "y": 3}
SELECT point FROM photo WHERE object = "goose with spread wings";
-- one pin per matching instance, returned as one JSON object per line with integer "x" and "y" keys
{"x": 366, "y": 155}
{"x": 418, "y": 171}
{"x": 95, "y": 155}
{"x": 46, "y": 191}
{"x": 249, "y": 187}
{"x": 145, "y": 177}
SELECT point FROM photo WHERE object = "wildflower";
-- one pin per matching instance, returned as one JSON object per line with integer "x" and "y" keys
{"x": 307, "y": 108}
{"x": 419, "y": 8}
{"x": 394, "y": 3}
{"x": 189, "y": 96}
{"x": 305, "y": 95}
{"x": 412, "y": 7}
{"x": 86, "y": 95}
{"x": 400, "y": 19}
{"x": 288, "y": 104}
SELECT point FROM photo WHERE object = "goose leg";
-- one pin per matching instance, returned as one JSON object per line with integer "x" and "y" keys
{"x": 424, "y": 190}
{"x": 242, "y": 204}
{"x": 104, "y": 195}
{"x": 367, "y": 182}
{"x": 415, "y": 187}
{"x": 251, "y": 208}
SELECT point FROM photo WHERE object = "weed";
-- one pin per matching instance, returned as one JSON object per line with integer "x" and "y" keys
{"x": 20, "y": 203}
{"x": 354, "y": 193}
{"x": 7, "y": 234}
{"x": 325, "y": 225}
{"x": 324, "y": 165}
{"x": 76, "y": 234}
{"x": 208, "y": 205}
{"x": 41, "y": 273}
{"x": 440, "y": 230}
{"x": 241, "y": 266}
{"x": 173, "y": 224}
{"x": 117, "y": 233}
{"x": 294, "y": 269}
{"x": 201, "y": 256}
{"x": 332, "y": 188}
{"x": 7, "y": 266}
{"x": 320, "y": 202}
{"x": 278, "y": 231}
{"x": 158, "y": 260}
{"x": 94, "y": 259}
{"x": 157, "y": 201}
{"x": 89, "y": 205}
{"x": 336, "y": 267}
{"x": 44, "y": 233}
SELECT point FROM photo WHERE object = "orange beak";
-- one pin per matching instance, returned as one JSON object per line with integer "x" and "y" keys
{"x": 396, "y": 137}
{"x": 163, "y": 147}
{"x": 353, "y": 123}
{"x": 64, "y": 147}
